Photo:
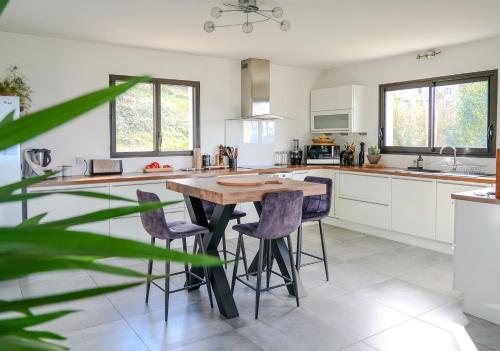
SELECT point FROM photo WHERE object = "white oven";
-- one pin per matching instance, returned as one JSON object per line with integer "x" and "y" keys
{"x": 332, "y": 121}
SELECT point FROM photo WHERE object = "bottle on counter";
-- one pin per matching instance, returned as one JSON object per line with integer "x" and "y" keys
{"x": 361, "y": 158}
{"x": 420, "y": 162}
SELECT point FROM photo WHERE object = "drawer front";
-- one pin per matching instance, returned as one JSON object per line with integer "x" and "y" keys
{"x": 300, "y": 175}
{"x": 372, "y": 214}
{"x": 131, "y": 227}
{"x": 370, "y": 188}
{"x": 129, "y": 191}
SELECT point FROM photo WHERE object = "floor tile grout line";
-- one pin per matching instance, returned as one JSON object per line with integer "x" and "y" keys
{"x": 122, "y": 317}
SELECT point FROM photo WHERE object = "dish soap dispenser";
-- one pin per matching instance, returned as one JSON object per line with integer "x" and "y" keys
{"x": 420, "y": 162}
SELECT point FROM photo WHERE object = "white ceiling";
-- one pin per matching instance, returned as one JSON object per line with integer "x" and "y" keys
{"x": 324, "y": 33}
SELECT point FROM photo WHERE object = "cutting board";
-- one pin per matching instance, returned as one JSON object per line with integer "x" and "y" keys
{"x": 155, "y": 170}
{"x": 246, "y": 181}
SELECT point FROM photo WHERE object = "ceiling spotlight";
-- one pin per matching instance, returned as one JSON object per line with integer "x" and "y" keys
{"x": 252, "y": 14}
{"x": 429, "y": 54}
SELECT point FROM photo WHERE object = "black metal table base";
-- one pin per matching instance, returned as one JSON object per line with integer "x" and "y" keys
{"x": 217, "y": 225}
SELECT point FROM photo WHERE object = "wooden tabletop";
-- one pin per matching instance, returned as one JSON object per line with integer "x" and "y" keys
{"x": 208, "y": 189}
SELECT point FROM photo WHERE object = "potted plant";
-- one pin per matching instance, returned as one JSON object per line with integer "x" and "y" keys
{"x": 14, "y": 84}
{"x": 374, "y": 155}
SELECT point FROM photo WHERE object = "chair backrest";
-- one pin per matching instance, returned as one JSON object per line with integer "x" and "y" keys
{"x": 153, "y": 221}
{"x": 320, "y": 204}
{"x": 281, "y": 214}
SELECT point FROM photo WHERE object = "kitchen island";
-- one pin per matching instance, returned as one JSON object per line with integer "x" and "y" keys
{"x": 477, "y": 248}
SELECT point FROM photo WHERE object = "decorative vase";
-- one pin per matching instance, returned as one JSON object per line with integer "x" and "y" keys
{"x": 373, "y": 159}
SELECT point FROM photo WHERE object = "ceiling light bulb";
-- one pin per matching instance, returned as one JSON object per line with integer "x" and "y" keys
{"x": 277, "y": 12}
{"x": 247, "y": 27}
{"x": 284, "y": 25}
{"x": 209, "y": 26}
{"x": 216, "y": 12}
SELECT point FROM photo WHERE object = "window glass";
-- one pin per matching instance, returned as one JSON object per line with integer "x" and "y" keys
{"x": 135, "y": 119}
{"x": 406, "y": 116}
{"x": 461, "y": 115}
{"x": 176, "y": 117}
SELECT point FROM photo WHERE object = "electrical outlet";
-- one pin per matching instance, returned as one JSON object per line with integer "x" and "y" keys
{"x": 79, "y": 160}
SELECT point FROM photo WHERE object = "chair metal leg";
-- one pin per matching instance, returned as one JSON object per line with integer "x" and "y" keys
{"x": 195, "y": 246}
{"x": 237, "y": 258}
{"x": 150, "y": 270}
{"x": 268, "y": 269}
{"x": 224, "y": 249}
{"x": 167, "y": 281}
{"x": 259, "y": 276}
{"x": 324, "y": 249}
{"x": 207, "y": 276}
{"x": 294, "y": 274}
{"x": 244, "y": 256}
{"x": 186, "y": 266}
{"x": 299, "y": 247}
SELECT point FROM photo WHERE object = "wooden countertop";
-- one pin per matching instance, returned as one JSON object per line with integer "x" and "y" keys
{"x": 485, "y": 196}
{"x": 131, "y": 177}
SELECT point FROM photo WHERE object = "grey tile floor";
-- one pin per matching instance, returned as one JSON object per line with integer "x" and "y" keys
{"x": 382, "y": 295}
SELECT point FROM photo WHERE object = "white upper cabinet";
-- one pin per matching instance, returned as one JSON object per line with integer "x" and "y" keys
{"x": 336, "y": 98}
{"x": 338, "y": 110}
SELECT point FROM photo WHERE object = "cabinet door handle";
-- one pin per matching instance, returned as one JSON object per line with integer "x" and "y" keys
{"x": 491, "y": 132}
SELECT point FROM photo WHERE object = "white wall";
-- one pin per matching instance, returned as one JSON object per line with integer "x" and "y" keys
{"x": 470, "y": 57}
{"x": 60, "y": 69}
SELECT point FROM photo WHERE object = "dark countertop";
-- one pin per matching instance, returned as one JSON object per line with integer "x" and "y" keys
{"x": 131, "y": 177}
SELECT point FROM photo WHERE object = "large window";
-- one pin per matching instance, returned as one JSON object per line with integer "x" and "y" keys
{"x": 423, "y": 116}
{"x": 156, "y": 118}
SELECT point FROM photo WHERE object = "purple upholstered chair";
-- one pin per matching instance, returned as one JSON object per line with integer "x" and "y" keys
{"x": 155, "y": 225}
{"x": 209, "y": 208}
{"x": 315, "y": 208}
{"x": 281, "y": 215}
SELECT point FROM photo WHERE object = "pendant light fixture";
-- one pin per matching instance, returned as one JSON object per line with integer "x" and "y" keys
{"x": 251, "y": 14}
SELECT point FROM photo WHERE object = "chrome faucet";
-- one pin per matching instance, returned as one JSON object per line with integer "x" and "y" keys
{"x": 454, "y": 154}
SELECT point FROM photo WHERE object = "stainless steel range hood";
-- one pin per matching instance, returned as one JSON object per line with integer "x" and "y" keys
{"x": 255, "y": 90}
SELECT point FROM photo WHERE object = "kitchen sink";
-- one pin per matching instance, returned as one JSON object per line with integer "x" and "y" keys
{"x": 424, "y": 170}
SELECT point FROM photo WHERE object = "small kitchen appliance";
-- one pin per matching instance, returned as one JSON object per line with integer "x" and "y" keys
{"x": 36, "y": 162}
{"x": 296, "y": 153}
{"x": 322, "y": 154}
{"x": 101, "y": 167}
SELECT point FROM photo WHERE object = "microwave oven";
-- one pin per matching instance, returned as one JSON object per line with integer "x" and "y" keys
{"x": 323, "y": 154}
{"x": 332, "y": 121}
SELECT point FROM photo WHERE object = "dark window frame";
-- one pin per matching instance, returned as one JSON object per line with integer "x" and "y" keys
{"x": 157, "y": 82}
{"x": 490, "y": 151}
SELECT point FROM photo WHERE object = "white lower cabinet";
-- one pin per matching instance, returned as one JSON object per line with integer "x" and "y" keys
{"x": 59, "y": 206}
{"x": 362, "y": 212}
{"x": 128, "y": 190}
{"x": 445, "y": 209}
{"x": 414, "y": 206}
{"x": 300, "y": 175}
{"x": 131, "y": 227}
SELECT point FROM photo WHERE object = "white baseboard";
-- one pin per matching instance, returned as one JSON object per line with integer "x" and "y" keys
{"x": 388, "y": 234}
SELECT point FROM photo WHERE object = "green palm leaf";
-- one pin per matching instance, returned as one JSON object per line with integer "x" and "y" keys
{"x": 7, "y": 119}
{"x": 15, "y": 305}
{"x": 33, "y": 220}
{"x": 36, "y": 123}
{"x": 106, "y": 214}
{"x": 15, "y": 343}
{"x": 30, "y": 196}
{"x": 3, "y": 4}
{"x": 17, "y": 266}
{"x": 54, "y": 241}
{"x": 10, "y": 188}
{"x": 37, "y": 335}
{"x": 29, "y": 321}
